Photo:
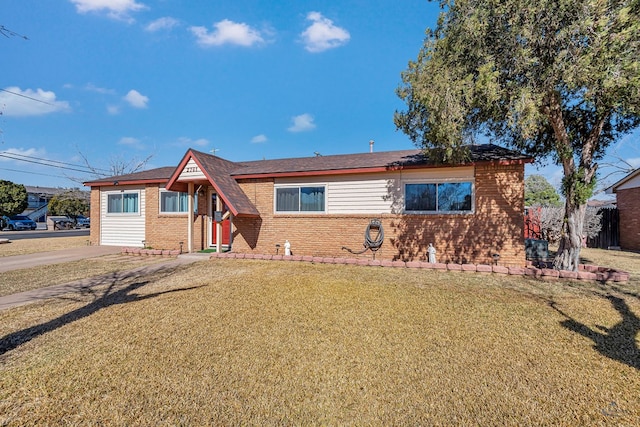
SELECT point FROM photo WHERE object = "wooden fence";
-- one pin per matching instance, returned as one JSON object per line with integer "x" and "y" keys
{"x": 610, "y": 233}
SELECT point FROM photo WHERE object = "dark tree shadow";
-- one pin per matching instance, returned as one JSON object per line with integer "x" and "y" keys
{"x": 114, "y": 293}
{"x": 619, "y": 341}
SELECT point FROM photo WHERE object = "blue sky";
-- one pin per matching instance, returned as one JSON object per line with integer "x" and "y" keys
{"x": 129, "y": 79}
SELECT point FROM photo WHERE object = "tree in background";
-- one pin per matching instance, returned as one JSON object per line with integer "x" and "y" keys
{"x": 13, "y": 198}
{"x": 538, "y": 191}
{"x": 70, "y": 203}
{"x": 551, "y": 220}
{"x": 551, "y": 78}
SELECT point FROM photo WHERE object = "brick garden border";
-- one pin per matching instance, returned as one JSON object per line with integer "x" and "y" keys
{"x": 591, "y": 273}
{"x": 151, "y": 252}
{"x": 586, "y": 272}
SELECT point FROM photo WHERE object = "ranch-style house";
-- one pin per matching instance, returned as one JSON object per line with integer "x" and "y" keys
{"x": 470, "y": 212}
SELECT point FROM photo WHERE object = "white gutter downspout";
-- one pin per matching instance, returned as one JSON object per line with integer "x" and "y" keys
{"x": 190, "y": 218}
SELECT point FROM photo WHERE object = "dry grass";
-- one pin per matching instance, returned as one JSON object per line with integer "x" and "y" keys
{"x": 12, "y": 282}
{"x": 231, "y": 342}
{"x": 30, "y": 246}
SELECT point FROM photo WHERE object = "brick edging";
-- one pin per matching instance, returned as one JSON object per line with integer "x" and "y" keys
{"x": 151, "y": 252}
{"x": 591, "y": 273}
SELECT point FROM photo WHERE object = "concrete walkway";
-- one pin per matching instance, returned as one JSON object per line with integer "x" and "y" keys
{"x": 17, "y": 262}
{"x": 66, "y": 255}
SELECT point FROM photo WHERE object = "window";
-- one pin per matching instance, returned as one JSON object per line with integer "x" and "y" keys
{"x": 300, "y": 199}
{"x": 174, "y": 202}
{"x": 439, "y": 197}
{"x": 123, "y": 203}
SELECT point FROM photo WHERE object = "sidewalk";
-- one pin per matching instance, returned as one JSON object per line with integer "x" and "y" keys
{"x": 17, "y": 262}
{"x": 66, "y": 255}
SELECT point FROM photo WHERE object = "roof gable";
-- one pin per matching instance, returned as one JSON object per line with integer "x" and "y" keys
{"x": 217, "y": 171}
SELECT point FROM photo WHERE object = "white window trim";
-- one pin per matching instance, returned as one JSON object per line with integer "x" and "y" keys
{"x": 123, "y": 192}
{"x": 298, "y": 185}
{"x": 161, "y": 212}
{"x": 439, "y": 181}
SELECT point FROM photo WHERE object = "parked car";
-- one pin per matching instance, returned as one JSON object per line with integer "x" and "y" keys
{"x": 18, "y": 222}
{"x": 82, "y": 221}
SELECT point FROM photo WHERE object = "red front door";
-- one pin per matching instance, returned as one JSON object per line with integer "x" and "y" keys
{"x": 226, "y": 224}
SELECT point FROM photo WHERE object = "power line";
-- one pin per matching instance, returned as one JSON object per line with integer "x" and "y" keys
{"x": 7, "y": 32}
{"x": 90, "y": 169}
{"x": 36, "y": 173}
{"x": 28, "y": 97}
{"x": 45, "y": 163}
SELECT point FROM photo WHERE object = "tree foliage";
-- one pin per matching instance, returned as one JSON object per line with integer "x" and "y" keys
{"x": 71, "y": 203}
{"x": 13, "y": 198}
{"x": 538, "y": 191}
{"x": 551, "y": 78}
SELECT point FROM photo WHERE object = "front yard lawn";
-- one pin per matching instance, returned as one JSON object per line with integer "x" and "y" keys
{"x": 228, "y": 342}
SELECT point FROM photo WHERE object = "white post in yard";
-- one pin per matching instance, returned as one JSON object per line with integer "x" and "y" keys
{"x": 190, "y": 218}
{"x": 219, "y": 226}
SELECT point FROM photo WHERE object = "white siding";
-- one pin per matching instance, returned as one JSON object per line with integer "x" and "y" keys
{"x": 122, "y": 229}
{"x": 191, "y": 171}
{"x": 378, "y": 193}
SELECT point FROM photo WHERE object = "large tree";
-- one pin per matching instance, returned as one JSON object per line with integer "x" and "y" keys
{"x": 556, "y": 79}
{"x": 13, "y": 198}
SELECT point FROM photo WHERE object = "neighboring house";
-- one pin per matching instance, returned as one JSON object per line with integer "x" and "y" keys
{"x": 627, "y": 192}
{"x": 320, "y": 204}
{"x": 38, "y": 200}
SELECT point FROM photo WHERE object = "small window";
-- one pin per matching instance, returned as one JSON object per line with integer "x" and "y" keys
{"x": 300, "y": 199}
{"x": 439, "y": 197}
{"x": 174, "y": 202}
{"x": 123, "y": 203}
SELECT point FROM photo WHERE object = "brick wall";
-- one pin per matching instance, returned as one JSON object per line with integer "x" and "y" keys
{"x": 166, "y": 231}
{"x": 495, "y": 227}
{"x": 629, "y": 209}
{"x": 96, "y": 213}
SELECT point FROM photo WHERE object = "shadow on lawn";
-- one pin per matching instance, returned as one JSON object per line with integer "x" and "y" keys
{"x": 619, "y": 341}
{"x": 113, "y": 294}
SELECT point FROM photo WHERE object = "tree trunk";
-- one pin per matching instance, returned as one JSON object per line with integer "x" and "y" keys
{"x": 568, "y": 256}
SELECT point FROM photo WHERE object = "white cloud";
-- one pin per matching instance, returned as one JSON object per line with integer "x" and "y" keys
{"x": 165, "y": 23}
{"x": 322, "y": 34}
{"x": 227, "y": 32}
{"x": 136, "y": 99}
{"x": 113, "y": 109}
{"x": 132, "y": 142}
{"x": 93, "y": 88}
{"x": 259, "y": 138}
{"x": 15, "y": 102}
{"x": 302, "y": 123}
{"x": 188, "y": 142}
{"x": 118, "y": 9}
